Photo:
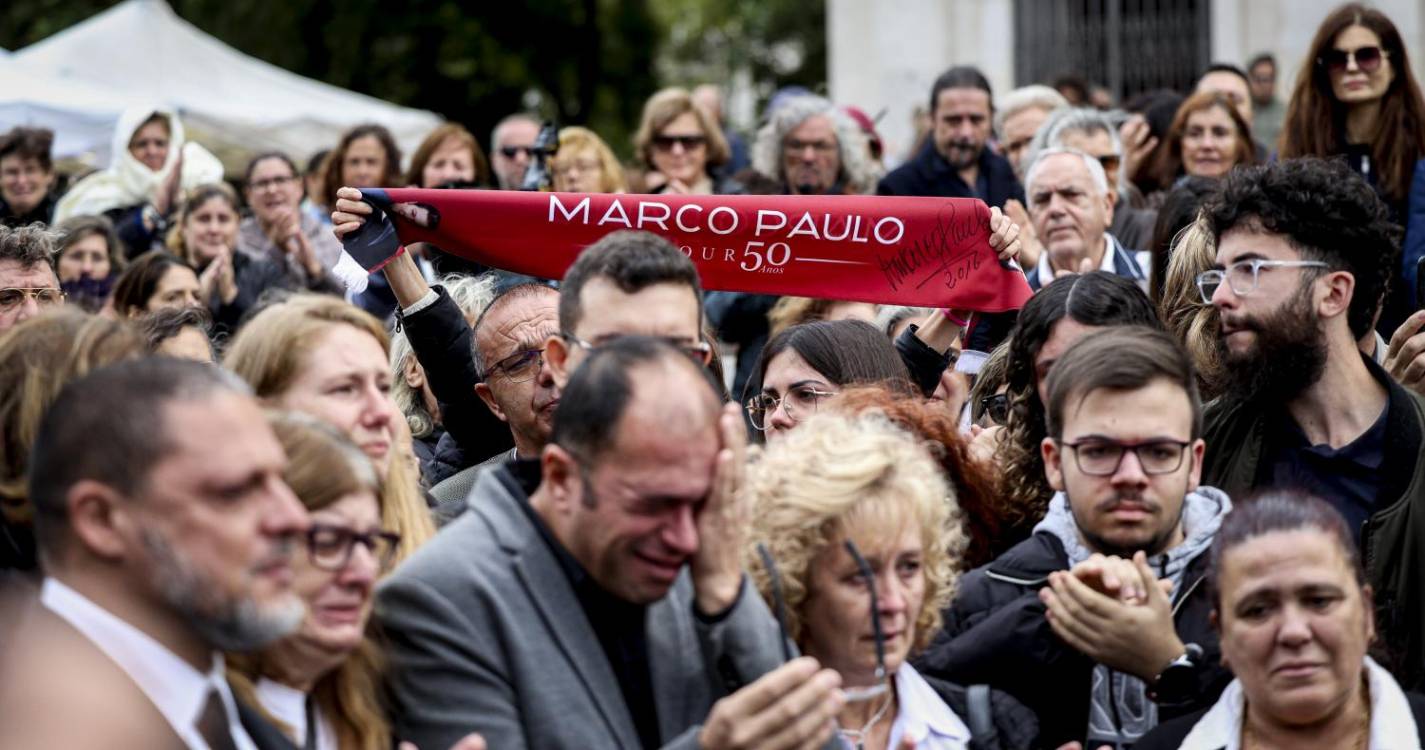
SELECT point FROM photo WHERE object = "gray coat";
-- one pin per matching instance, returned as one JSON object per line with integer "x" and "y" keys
{"x": 487, "y": 635}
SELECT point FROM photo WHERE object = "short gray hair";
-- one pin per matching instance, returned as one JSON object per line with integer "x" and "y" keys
{"x": 891, "y": 316}
{"x": 1096, "y": 173}
{"x": 472, "y": 294}
{"x": 508, "y": 120}
{"x": 858, "y": 174}
{"x": 1065, "y": 122}
{"x": 29, "y": 245}
{"x": 1027, "y": 97}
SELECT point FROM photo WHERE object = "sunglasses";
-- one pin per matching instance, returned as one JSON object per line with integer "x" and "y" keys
{"x": 688, "y": 142}
{"x": 997, "y": 406}
{"x": 1368, "y": 59}
{"x": 511, "y": 152}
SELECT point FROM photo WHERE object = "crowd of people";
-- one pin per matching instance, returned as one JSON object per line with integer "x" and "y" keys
{"x": 1177, "y": 500}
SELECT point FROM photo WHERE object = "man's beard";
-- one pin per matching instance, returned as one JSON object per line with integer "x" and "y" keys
{"x": 1156, "y": 544}
{"x": 1288, "y": 356}
{"x": 237, "y": 625}
{"x": 962, "y": 154}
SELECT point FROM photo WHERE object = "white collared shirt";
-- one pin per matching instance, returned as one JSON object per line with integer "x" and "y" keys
{"x": 289, "y": 706}
{"x": 924, "y": 715}
{"x": 1111, "y": 248}
{"x": 177, "y": 689}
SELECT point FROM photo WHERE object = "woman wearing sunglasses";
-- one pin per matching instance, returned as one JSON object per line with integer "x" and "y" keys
{"x": 681, "y": 146}
{"x": 1356, "y": 96}
{"x": 322, "y": 683}
{"x": 855, "y": 544}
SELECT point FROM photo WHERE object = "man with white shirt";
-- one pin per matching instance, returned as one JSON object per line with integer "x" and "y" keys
{"x": 1070, "y": 205}
{"x": 165, "y": 532}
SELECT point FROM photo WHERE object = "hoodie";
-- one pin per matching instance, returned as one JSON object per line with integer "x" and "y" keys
{"x": 1120, "y": 712}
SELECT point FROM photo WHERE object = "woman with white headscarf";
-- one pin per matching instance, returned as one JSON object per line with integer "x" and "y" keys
{"x": 152, "y": 166}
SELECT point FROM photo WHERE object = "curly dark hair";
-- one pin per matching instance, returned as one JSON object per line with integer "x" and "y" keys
{"x": 1324, "y": 210}
{"x": 1099, "y": 298}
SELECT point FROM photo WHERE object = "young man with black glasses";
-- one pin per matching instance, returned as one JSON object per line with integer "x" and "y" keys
{"x": 1099, "y": 622}
{"x": 1305, "y": 252}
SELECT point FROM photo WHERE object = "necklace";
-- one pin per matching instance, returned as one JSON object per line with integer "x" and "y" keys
{"x": 858, "y": 736}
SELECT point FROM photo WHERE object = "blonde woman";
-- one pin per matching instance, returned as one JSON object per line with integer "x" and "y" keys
{"x": 322, "y": 684}
{"x": 585, "y": 164}
{"x": 863, "y": 536}
{"x": 321, "y": 356}
{"x": 1191, "y": 320}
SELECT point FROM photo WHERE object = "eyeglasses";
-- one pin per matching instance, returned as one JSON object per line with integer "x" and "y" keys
{"x": 1244, "y": 275}
{"x": 779, "y": 609}
{"x": 698, "y": 351}
{"x": 511, "y": 152}
{"x": 1368, "y": 59}
{"x": 329, "y": 547}
{"x": 520, "y": 366}
{"x": 996, "y": 406}
{"x": 1101, "y": 458}
{"x": 13, "y": 297}
{"x": 258, "y": 186}
{"x": 688, "y": 142}
{"x": 799, "y": 402}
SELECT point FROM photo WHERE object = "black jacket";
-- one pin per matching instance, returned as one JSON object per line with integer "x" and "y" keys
{"x": 442, "y": 341}
{"x": 1392, "y": 540}
{"x": 996, "y": 633}
{"x": 928, "y": 174}
{"x": 43, "y": 212}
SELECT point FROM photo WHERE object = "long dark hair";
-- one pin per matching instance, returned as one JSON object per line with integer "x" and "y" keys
{"x": 1315, "y": 122}
{"x": 844, "y": 351}
{"x": 331, "y": 174}
{"x": 1099, "y": 298}
{"x": 140, "y": 280}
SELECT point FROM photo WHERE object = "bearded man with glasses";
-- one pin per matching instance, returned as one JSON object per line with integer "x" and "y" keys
{"x": 28, "y": 284}
{"x": 1099, "y": 622}
{"x": 1305, "y": 251}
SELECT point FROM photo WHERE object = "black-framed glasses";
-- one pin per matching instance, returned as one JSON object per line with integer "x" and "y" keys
{"x": 1368, "y": 59}
{"x": 688, "y": 142}
{"x": 1102, "y": 458}
{"x": 855, "y": 694}
{"x": 520, "y": 366}
{"x": 997, "y": 407}
{"x": 1244, "y": 275}
{"x": 798, "y": 404}
{"x": 329, "y": 547}
{"x": 12, "y": 297}
{"x": 699, "y": 351}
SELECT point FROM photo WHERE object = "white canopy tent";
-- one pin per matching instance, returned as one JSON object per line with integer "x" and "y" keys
{"x": 232, "y": 103}
{"x": 81, "y": 115}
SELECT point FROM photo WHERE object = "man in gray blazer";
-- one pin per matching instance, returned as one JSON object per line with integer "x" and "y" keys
{"x": 596, "y": 599}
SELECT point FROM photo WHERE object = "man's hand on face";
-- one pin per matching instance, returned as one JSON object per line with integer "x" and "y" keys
{"x": 722, "y": 523}
{"x": 790, "y": 708}
{"x": 1139, "y": 639}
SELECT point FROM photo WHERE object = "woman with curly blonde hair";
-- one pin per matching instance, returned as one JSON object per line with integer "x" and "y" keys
{"x": 846, "y": 502}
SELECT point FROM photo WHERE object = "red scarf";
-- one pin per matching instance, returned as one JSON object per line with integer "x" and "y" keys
{"x": 925, "y": 252}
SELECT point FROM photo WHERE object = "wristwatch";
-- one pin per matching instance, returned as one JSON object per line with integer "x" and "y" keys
{"x": 1178, "y": 681}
